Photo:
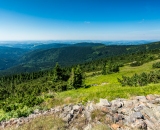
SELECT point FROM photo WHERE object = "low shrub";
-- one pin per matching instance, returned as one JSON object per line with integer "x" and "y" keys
{"x": 141, "y": 79}
{"x": 156, "y": 65}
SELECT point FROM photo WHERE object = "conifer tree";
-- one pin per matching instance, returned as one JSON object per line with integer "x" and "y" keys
{"x": 76, "y": 79}
{"x": 104, "y": 69}
{"x": 58, "y": 73}
{"x": 71, "y": 80}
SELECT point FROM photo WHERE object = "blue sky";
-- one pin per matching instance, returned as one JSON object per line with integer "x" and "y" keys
{"x": 79, "y": 20}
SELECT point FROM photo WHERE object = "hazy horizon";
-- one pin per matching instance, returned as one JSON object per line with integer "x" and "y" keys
{"x": 106, "y": 42}
{"x": 106, "y": 20}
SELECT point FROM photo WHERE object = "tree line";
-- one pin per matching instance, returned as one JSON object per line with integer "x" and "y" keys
{"x": 141, "y": 79}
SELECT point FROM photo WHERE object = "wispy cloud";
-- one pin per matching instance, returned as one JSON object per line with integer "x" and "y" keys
{"x": 87, "y": 22}
{"x": 142, "y": 21}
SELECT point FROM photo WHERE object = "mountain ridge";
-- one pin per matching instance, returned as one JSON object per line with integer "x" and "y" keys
{"x": 40, "y": 59}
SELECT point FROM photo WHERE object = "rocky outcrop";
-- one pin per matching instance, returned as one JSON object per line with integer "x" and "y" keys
{"x": 140, "y": 112}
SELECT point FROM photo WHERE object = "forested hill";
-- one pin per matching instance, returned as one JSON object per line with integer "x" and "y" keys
{"x": 66, "y": 56}
{"x": 80, "y": 53}
{"x": 144, "y": 47}
{"x": 71, "y": 55}
{"x": 42, "y": 59}
{"x": 9, "y": 56}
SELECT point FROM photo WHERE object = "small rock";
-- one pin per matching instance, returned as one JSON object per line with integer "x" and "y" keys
{"x": 139, "y": 124}
{"x": 36, "y": 111}
{"x": 138, "y": 108}
{"x": 103, "y": 102}
{"x": 20, "y": 122}
{"x": 3, "y": 124}
{"x": 109, "y": 118}
{"x": 52, "y": 109}
{"x": 141, "y": 98}
{"x": 135, "y": 115}
{"x": 105, "y": 110}
{"x": 117, "y": 103}
{"x": 117, "y": 117}
{"x": 67, "y": 108}
{"x": 154, "y": 101}
{"x": 151, "y": 125}
{"x": 87, "y": 115}
{"x": 148, "y": 113}
{"x": 73, "y": 128}
{"x": 76, "y": 107}
{"x": 71, "y": 112}
{"x": 90, "y": 107}
{"x": 150, "y": 105}
{"x": 32, "y": 116}
{"x": 150, "y": 97}
{"x": 115, "y": 126}
{"x": 158, "y": 108}
{"x": 68, "y": 118}
{"x": 88, "y": 127}
{"x": 57, "y": 109}
{"x": 124, "y": 110}
{"x": 114, "y": 109}
{"x": 158, "y": 100}
{"x": 128, "y": 103}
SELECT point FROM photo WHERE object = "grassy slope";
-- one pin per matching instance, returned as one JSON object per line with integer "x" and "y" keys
{"x": 108, "y": 86}
{"x": 102, "y": 86}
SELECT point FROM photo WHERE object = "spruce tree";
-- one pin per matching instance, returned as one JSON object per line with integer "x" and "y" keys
{"x": 58, "y": 73}
{"x": 76, "y": 78}
{"x": 104, "y": 71}
{"x": 71, "y": 80}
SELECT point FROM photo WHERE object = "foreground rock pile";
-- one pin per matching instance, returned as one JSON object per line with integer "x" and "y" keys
{"x": 140, "y": 112}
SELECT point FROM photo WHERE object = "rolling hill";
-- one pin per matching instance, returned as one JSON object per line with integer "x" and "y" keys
{"x": 9, "y": 56}
{"x": 67, "y": 55}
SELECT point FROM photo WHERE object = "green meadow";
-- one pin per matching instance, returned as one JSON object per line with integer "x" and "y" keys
{"x": 107, "y": 86}
{"x": 100, "y": 86}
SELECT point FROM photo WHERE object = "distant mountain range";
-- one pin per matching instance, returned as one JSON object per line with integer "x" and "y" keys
{"x": 57, "y": 43}
{"x": 16, "y": 58}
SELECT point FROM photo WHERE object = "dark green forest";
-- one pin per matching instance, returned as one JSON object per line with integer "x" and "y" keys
{"x": 43, "y": 59}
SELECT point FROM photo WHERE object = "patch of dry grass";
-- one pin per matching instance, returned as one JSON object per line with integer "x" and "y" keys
{"x": 49, "y": 122}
